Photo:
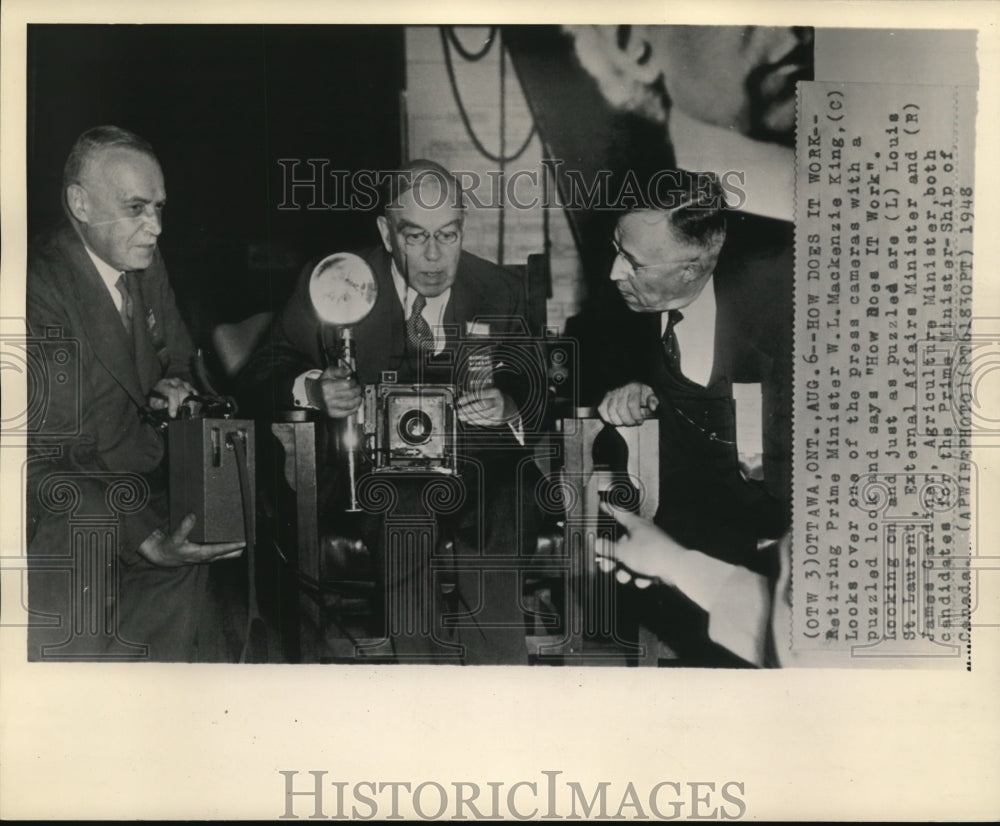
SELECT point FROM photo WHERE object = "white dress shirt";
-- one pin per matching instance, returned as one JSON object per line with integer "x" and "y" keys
{"x": 696, "y": 335}
{"x": 109, "y": 275}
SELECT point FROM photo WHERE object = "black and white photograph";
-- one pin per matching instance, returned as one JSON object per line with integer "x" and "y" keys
{"x": 542, "y": 416}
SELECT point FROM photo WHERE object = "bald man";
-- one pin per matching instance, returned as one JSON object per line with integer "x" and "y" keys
{"x": 434, "y": 300}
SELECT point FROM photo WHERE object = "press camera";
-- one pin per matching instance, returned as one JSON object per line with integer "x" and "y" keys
{"x": 410, "y": 427}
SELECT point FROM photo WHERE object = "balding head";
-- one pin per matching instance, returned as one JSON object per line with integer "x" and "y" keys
{"x": 114, "y": 195}
{"x": 421, "y": 225}
{"x": 431, "y": 185}
{"x": 95, "y": 141}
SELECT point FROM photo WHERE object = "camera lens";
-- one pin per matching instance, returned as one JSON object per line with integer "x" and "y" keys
{"x": 415, "y": 427}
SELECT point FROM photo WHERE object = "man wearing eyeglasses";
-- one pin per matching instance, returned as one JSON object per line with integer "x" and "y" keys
{"x": 433, "y": 297}
{"x": 431, "y": 294}
{"x": 711, "y": 361}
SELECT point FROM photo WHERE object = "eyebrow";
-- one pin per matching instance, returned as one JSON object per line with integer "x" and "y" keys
{"x": 407, "y": 224}
{"x": 138, "y": 199}
{"x": 636, "y": 264}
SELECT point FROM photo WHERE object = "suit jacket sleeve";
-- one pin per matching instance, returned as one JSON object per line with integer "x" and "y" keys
{"x": 56, "y": 443}
{"x": 44, "y": 309}
{"x": 515, "y": 384}
{"x": 613, "y": 345}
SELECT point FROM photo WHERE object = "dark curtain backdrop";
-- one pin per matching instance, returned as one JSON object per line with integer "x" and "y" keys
{"x": 221, "y": 105}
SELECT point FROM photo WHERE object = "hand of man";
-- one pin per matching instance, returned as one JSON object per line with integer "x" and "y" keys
{"x": 629, "y": 405}
{"x": 169, "y": 394}
{"x": 488, "y": 407}
{"x": 336, "y": 392}
{"x": 175, "y": 550}
{"x": 647, "y": 551}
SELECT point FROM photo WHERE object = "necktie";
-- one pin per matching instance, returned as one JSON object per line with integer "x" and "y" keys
{"x": 418, "y": 331}
{"x": 671, "y": 349}
{"x": 126, "y": 309}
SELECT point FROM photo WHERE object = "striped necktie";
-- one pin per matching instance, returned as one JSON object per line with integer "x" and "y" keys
{"x": 126, "y": 309}
{"x": 418, "y": 331}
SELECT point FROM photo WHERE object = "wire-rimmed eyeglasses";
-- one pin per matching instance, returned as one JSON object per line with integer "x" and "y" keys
{"x": 419, "y": 237}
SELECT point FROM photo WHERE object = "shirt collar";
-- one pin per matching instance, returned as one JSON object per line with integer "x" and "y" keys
{"x": 702, "y": 309}
{"x": 696, "y": 335}
{"x": 769, "y": 168}
{"x": 435, "y": 305}
{"x": 109, "y": 275}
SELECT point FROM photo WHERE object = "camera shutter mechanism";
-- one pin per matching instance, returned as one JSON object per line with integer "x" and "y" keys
{"x": 415, "y": 427}
{"x": 411, "y": 427}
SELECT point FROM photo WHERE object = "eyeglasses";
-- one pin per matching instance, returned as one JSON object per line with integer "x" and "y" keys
{"x": 419, "y": 237}
{"x": 636, "y": 266}
{"x": 628, "y": 259}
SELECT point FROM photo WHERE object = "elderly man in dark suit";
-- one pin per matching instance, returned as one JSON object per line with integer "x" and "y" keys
{"x": 101, "y": 281}
{"x": 711, "y": 360}
{"x": 723, "y": 99}
{"x": 434, "y": 300}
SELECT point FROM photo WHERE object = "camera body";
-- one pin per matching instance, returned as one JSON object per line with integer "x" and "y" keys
{"x": 411, "y": 427}
{"x": 204, "y": 477}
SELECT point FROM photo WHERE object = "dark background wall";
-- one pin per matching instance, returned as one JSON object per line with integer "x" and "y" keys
{"x": 221, "y": 105}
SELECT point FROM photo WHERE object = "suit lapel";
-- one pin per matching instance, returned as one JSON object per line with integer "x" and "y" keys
{"x": 458, "y": 311}
{"x": 738, "y": 354}
{"x": 375, "y": 347}
{"x": 147, "y": 363}
{"x": 651, "y": 346}
{"x": 101, "y": 322}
